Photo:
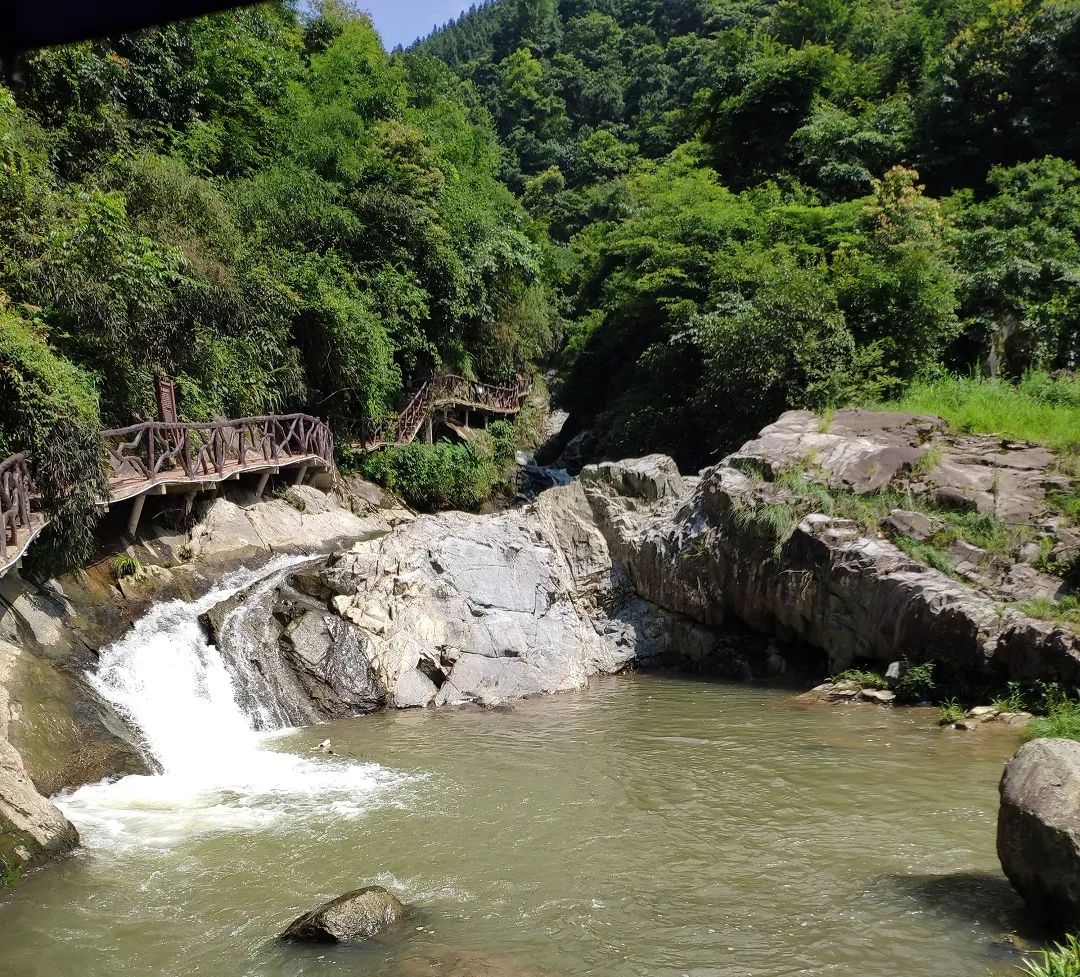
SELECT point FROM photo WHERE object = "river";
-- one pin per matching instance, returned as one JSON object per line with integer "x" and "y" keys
{"x": 648, "y": 826}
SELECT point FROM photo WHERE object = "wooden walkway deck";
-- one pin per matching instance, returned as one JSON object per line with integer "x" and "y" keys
{"x": 441, "y": 390}
{"x": 157, "y": 458}
{"x": 161, "y": 458}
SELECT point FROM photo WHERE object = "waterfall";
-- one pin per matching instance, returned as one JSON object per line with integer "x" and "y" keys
{"x": 201, "y": 723}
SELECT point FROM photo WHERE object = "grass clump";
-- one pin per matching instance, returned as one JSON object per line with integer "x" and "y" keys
{"x": 125, "y": 566}
{"x": 951, "y": 712}
{"x": 1061, "y": 960}
{"x": 1065, "y": 610}
{"x": 1062, "y": 721}
{"x": 1039, "y": 408}
{"x": 862, "y": 678}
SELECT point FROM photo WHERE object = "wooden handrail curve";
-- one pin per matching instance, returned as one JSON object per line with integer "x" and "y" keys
{"x": 142, "y": 456}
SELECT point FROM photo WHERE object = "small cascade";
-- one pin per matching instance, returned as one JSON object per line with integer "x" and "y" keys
{"x": 202, "y": 718}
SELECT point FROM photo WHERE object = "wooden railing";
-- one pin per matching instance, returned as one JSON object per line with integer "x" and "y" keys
{"x": 144, "y": 456}
{"x": 153, "y": 450}
{"x": 16, "y": 489}
{"x": 439, "y": 390}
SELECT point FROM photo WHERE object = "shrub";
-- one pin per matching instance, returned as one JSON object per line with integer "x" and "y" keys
{"x": 951, "y": 712}
{"x": 49, "y": 408}
{"x": 916, "y": 684}
{"x": 431, "y": 477}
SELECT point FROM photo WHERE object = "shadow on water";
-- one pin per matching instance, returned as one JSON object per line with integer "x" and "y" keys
{"x": 983, "y": 899}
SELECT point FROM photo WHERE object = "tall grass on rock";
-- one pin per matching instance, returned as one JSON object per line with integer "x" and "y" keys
{"x": 1061, "y": 960}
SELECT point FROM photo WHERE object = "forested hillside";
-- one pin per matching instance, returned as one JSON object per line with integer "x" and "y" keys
{"x": 797, "y": 203}
{"x": 267, "y": 208}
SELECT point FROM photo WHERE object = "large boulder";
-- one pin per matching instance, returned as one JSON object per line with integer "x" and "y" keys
{"x": 350, "y": 918}
{"x": 1038, "y": 832}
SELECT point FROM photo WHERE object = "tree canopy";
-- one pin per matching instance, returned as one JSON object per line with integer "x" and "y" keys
{"x": 762, "y": 205}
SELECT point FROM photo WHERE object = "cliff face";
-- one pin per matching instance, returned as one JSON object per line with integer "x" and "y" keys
{"x": 801, "y": 536}
{"x": 804, "y": 538}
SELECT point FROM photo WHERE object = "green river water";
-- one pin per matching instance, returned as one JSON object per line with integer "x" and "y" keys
{"x": 647, "y": 827}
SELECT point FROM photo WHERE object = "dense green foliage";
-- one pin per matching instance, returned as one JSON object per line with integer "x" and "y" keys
{"x": 764, "y": 205}
{"x": 263, "y": 205}
{"x": 724, "y": 208}
{"x": 444, "y": 475}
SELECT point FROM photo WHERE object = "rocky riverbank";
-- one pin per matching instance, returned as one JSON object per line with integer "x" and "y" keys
{"x": 803, "y": 553}
{"x": 56, "y": 732}
{"x": 791, "y": 554}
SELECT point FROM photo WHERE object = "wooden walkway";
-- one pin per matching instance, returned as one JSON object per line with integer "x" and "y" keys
{"x": 161, "y": 458}
{"x": 442, "y": 390}
{"x": 155, "y": 458}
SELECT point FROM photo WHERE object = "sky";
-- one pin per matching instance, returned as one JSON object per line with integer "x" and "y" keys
{"x": 402, "y": 21}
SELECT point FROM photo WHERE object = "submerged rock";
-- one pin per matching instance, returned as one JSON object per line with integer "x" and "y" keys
{"x": 1038, "y": 831}
{"x": 352, "y": 917}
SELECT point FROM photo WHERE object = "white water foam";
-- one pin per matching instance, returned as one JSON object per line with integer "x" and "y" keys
{"x": 173, "y": 685}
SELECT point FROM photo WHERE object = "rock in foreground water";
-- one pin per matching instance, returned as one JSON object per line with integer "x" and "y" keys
{"x": 354, "y": 916}
{"x": 1038, "y": 835}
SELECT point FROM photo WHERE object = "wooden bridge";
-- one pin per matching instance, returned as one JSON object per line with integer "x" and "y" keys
{"x": 156, "y": 458}
{"x": 160, "y": 458}
{"x": 439, "y": 391}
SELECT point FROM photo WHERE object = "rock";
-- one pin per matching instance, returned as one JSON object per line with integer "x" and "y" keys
{"x": 32, "y": 829}
{"x": 884, "y": 696}
{"x": 650, "y": 478}
{"x": 983, "y": 712}
{"x": 350, "y": 918}
{"x": 1038, "y": 831}
{"x": 844, "y": 690}
{"x": 413, "y": 688}
{"x": 1024, "y": 582}
{"x": 146, "y": 582}
{"x": 1014, "y": 718}
{"x": 582, "y": 448}
{"x": 303, "y": 520}
{"x": 65, "y": 735}
{"x": 915, "y": 525}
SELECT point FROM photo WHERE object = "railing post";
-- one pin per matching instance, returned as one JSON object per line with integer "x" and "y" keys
{"x": 186, "y": 452}
{"x": 23, "y": 488}
{"x": 219, "y": 450}
{"x": 151, "y": 453}
{"x": 242, "y": 451}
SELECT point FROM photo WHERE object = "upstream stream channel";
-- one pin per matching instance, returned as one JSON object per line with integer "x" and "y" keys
{"x": 647, "y": 826}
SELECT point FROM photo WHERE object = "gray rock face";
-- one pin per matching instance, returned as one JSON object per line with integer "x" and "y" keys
{"x": 350, "y": 918}
{"x": 1038, "y": 832}
{"x": 829, "y": 584}
{"x": 868, "y": 450}
{"x": 635, "y": 562}
{"x": 304, "y": 520}
{"x": 32, "y": 829}
{"x": 459, "y": 608}
{"x": 477, "y": 608}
